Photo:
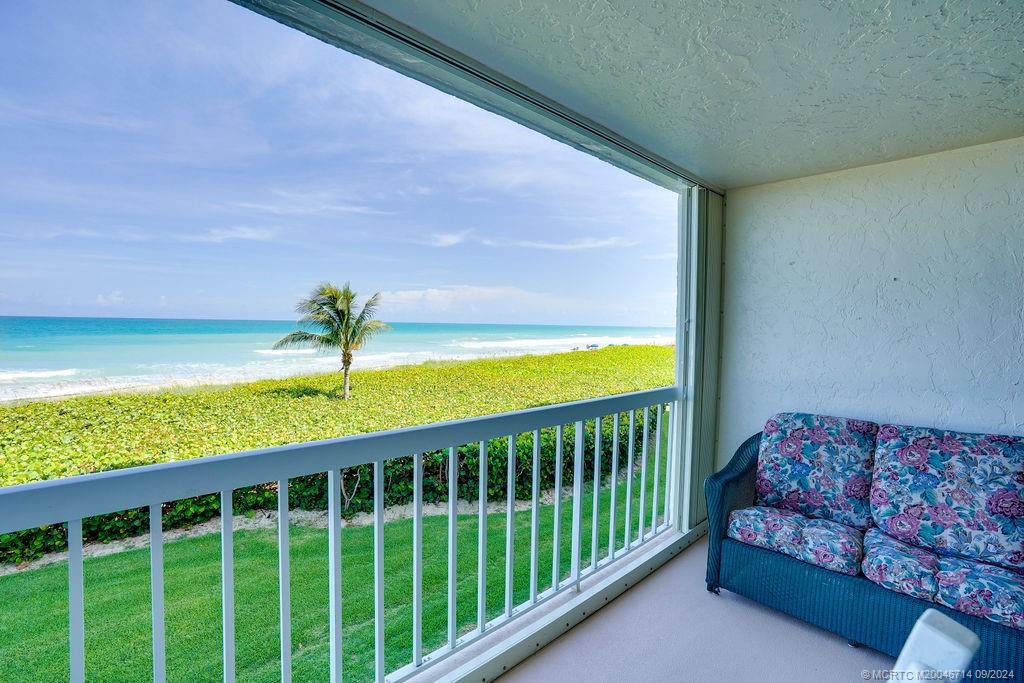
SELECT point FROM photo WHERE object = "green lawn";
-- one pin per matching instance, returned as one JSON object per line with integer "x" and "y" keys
{"x": 33, "y": 604}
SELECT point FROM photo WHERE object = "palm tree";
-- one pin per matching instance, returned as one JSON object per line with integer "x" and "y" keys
{"x": 331, "y": 312}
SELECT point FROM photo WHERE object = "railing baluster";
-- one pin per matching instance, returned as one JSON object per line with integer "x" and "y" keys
{"x": 334, "y": 570}
{"x": 577, "y": 504}
{"x": 657, "y": 471}
{"x": 453, "y": 520}
{"x": 630, "y": 454}
{"x": 481, "y": 566}
{"x": 417, "y": 559}
{"x": 76, "y": 603}
{"x": 136, "y": 488}
{"x": 510, "y": 522}
{"x": 156, "y": 591}
{"x": 535, "y": 516}
{"x": 144, "y": 486}
{"x": 556, "y": 551}
{"x": 378, "y": 569}
{"x": 595, "y": 513}
{"x": 670, "y": 460}
{"x": 641, "y": 527}
{"x": 227, "y": 582}
{"x": 615, "y": 486}
{"x": 284, "y": 591}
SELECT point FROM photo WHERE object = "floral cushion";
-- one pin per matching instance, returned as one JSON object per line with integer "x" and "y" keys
{"x": 982, "y": 590}
{"x": 818, "y": 466}
{"x": 832, "y": 545}
{"x": 898, "y": 566}
{"x": 817, "y": 541}
{"x": 958, "y": 494}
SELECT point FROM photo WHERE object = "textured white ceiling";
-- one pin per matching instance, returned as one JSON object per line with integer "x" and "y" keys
{"x": 743, "y": 92}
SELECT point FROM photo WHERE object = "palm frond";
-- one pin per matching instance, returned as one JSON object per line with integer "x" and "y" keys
{"x": 369, "y": 309}
{"x": 302, "y": 338}
{"x": 320, "y": 308}
{"x": 343, "y": 304}
{"x": 324, "y": 319}
{"x": 329, "y": 309}
{"x": 366, "y": 331}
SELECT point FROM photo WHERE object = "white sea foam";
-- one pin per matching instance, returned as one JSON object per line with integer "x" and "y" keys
{"x": 152, "y": 376}
{"x": 19, "y": 375}
{"x": 560, "y": 342}
{"x": 74, "y": 388}
{"x": 285, "y": 352}
{"x": 281, "y": 363}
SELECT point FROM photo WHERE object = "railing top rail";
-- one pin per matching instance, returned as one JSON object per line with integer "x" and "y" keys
{"x": 27, "y": 506}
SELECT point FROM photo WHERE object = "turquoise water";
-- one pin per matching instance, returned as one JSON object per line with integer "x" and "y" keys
{"x": 42, "y": 357}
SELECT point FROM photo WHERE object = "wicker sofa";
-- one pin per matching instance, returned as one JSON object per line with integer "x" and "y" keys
{"x": 858, "y": 528}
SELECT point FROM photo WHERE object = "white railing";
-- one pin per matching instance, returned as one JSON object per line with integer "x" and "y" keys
{"x": 72, "y": 499}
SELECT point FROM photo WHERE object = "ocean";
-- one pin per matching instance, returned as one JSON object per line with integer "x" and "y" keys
{"x": 47, "y": 357}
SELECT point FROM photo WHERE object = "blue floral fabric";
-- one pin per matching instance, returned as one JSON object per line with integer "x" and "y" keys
{"x": 818, "y": 541}
{"x": 982, "y": 590}
{"x": 817, "y": 465}
{"x": 955, "y": 493}
{"x": 832, "y": 545}
{"x": 899, "y": 566}
{"x": 766, "y": 527}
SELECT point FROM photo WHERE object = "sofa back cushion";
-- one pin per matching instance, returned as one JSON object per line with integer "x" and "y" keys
{"x": 952, "y": 492}
{"x": 817, "y": 465}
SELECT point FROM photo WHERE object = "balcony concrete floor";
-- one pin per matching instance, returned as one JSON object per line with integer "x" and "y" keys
{"x": 669, "y": 628}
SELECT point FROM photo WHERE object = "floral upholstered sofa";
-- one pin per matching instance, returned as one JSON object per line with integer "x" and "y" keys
{"x": 859, "y": 528}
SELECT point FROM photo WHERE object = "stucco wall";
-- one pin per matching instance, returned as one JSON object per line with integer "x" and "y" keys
{"x": 892, "y": 292}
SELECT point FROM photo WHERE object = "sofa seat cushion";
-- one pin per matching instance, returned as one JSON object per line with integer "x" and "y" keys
{"x": 817, "y": 465}
{"x": 955, "y": 493}
{"x": 818, "y": 541}
{"x": 982, "y": 590}
{"x": 899, "y": 566}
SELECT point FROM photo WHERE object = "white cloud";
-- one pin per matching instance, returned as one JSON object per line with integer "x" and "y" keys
{"x": 580, "y": 244}
{"x": 238, "y": 232}
{"x": 473, "y": 303}
{"x": 572, "y": 188}
{"x": 444, "y": 239}
{"x": 315, "y": 144}
{"x": 429, "y": 120}
{"x": 44, "y": 232}
{"x": 450, "y": 239}
{"x": 114, "y": 298}
{"x": 308, "y": 204}
{"x": 14, "y": 113}
{"x": 448, "y": 296}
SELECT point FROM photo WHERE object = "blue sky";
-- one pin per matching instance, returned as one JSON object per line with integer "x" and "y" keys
{"x": 194, "y": 159}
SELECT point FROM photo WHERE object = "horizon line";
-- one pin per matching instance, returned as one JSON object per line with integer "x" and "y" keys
{"x": 282, "y": 320}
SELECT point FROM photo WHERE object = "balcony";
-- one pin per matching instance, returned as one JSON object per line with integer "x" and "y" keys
{"x": 523, "y": 591}
{"x": 872, "y": 162}
{"x": 623, "y": 604}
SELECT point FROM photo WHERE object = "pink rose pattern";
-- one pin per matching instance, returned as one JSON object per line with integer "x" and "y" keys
{"x": 955, "y": 493}
{"x": 817, "y": 541}
{"x": 981, "y": 590}
{"x": 899, "y": 566}
{"x": 975, "y": 588}
{"x": 817, "y": 465}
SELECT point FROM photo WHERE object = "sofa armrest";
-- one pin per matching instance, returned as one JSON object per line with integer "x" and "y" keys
{"x": 731, "y": 488}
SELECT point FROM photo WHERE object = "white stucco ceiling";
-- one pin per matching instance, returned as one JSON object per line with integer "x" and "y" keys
{"x": 743, "y": 92}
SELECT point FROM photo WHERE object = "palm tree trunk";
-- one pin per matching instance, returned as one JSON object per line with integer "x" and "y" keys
{"x": 346, "y": 387}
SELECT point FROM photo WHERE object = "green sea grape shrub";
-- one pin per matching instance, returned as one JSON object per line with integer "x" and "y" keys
{"x": 310, "y": 492}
